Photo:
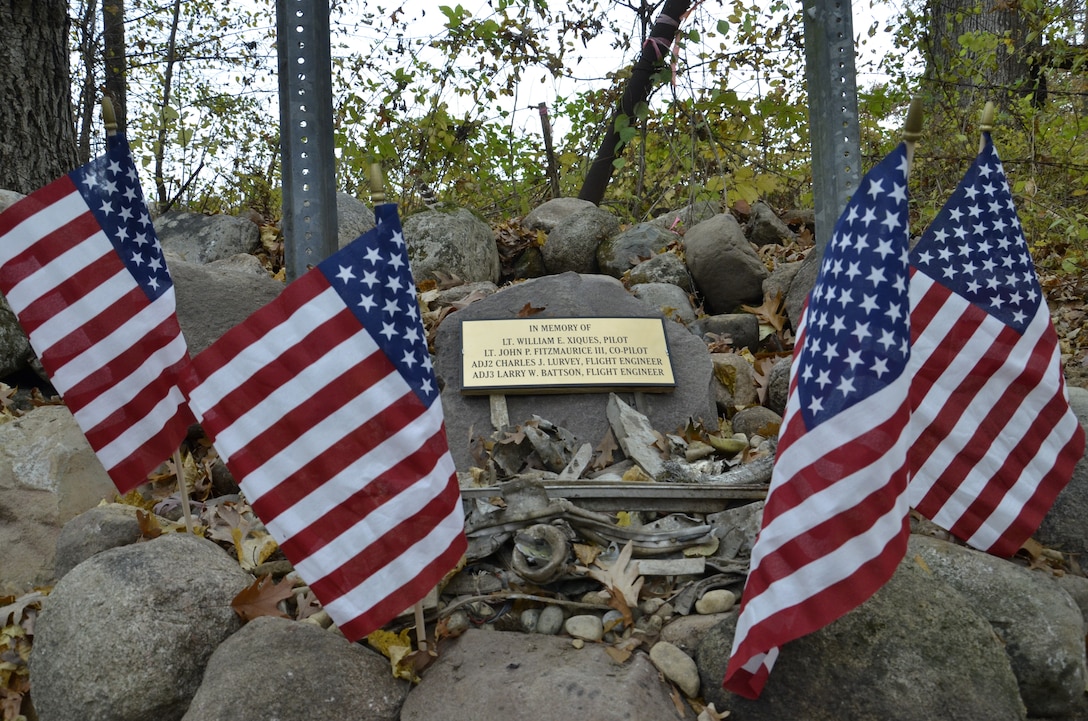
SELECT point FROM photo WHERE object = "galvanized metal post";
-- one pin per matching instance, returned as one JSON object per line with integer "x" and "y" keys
{"x": 833, "y": 110}
{"x": 306, "y": 133}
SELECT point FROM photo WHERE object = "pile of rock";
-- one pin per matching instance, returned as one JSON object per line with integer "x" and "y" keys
{"x": 139, "y": 629}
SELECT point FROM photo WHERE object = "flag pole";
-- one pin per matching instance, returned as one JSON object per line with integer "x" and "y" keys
{"x": 109, "y": 119}
{"x": 987, "y": 124}
{"x": 912, "y": 129}
{"x": 377, "y": 197}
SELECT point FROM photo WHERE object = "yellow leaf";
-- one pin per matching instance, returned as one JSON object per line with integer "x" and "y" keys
{"x": 254, "y": 548}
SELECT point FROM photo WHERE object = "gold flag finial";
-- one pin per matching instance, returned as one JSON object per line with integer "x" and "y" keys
{"x": 377, "y": 184}
{"x": 109, "y": 116}
{"x": 987, "y": 123}
{"x": 912, "y": 128}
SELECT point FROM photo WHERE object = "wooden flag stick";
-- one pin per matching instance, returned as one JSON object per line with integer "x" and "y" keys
{"x": 421, "y": 627}
{"x": 179, "y": 471}
{"x": 987, "y": 124}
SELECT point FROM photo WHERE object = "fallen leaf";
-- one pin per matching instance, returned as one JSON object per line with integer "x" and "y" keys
{"x": 149, "y": 527}
{"x": 621, "y": 576}
{"x": 585, "y": 553}
{"x": 604, "y": 450}
{"x": 262, "y": 599}
{"x": 528, "y": 310}
{"x": 770, "y": 312}
{"x": 618, "y": 655}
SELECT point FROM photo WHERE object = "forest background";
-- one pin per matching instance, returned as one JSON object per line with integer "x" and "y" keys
{"x": 440, "y": 94}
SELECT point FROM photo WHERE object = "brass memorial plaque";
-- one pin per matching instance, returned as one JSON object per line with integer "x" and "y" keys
{"x": 565, "y": 355}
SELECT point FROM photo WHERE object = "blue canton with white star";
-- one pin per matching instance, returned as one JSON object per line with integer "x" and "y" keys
{"x": 857, "y": 337}
{"x": 374, "y": 279}
{"x": 111, "y": 188}
{"x": 976, "y": 247}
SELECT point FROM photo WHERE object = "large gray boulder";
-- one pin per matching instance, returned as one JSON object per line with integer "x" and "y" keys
{"x": 582, "y": 414}
{"x": 353, "y": 218}
{"x": 275, "y": 668}
{"x": 764, "y": 227}
{"x": 98, "y": 529}
{"x": 126, "y": 634}
{"x": 212, "y": 299}
{"x": 572, "y": 245}
{"x": 551, "y": 213}
{"x": 915, "y": 650}
{"x": 502, "y": 676}
{"x": 621, "y": 252}
{"x": 726, "y": 269}
{"x": 48, "y": 476}
{"x": 200, "y": 238}
{"x": 1039, "y": 624}
{"x": 454, "y": 242}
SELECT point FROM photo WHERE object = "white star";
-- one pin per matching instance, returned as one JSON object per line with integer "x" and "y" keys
{"x": 815, "y": 405}
{"x": 388, "y": 330}
{"x": 426, "y": 386}
{"x": 373, "y": 256}
{"x": 891, "y": 220}
{"x": 345, "y": 274}
{"x": 846, "y": 386}
{"x": 880, "y": 367}
{"x": 861, "y": 331}
{"x": 391, "y": 306}
{"x": 367, "y": 302}
{"x": 409, "y": 359}
{"x": 876, "y": 187}
{"x": 370, "y": 278}
{"x": 853, "y": 358}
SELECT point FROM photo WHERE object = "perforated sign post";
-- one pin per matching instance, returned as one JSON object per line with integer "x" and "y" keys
{"x": 306, "y": 133}
{"x": 306, "y": 128}
{"x": 832, "y": 110}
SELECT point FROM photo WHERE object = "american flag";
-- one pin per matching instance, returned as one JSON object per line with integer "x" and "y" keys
{"x": 81, "y": 266}
{"x": 995, "y": 439}
{"x": 835, "y": 524}
{"x": 325, "y": 408}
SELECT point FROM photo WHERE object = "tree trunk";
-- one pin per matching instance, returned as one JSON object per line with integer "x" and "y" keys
{"x": 87, "y": 105}
{"x": 37, "y": 144}
{"x": 1011, "y": 71}
{"x": 113, "y": 48}
{"x": 654, "y": 54}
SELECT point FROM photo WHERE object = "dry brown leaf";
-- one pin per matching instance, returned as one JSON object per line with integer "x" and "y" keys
{"x": 770, "y": 312}
{"x": 262, "y": 598}
{"x": 528, "y": 310}
{"x": 621, "y": 578}
{"x": 619, "y": 655}
{"x": 605, "y": 449}
{"x": 149, "y": 527}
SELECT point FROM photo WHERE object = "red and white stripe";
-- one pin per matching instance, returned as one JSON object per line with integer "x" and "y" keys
{"x": 112, "y": 354}
{"x": 835, "y": 527}
{"x": 994, "y": 440}
{"x": 349, "y": 470}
